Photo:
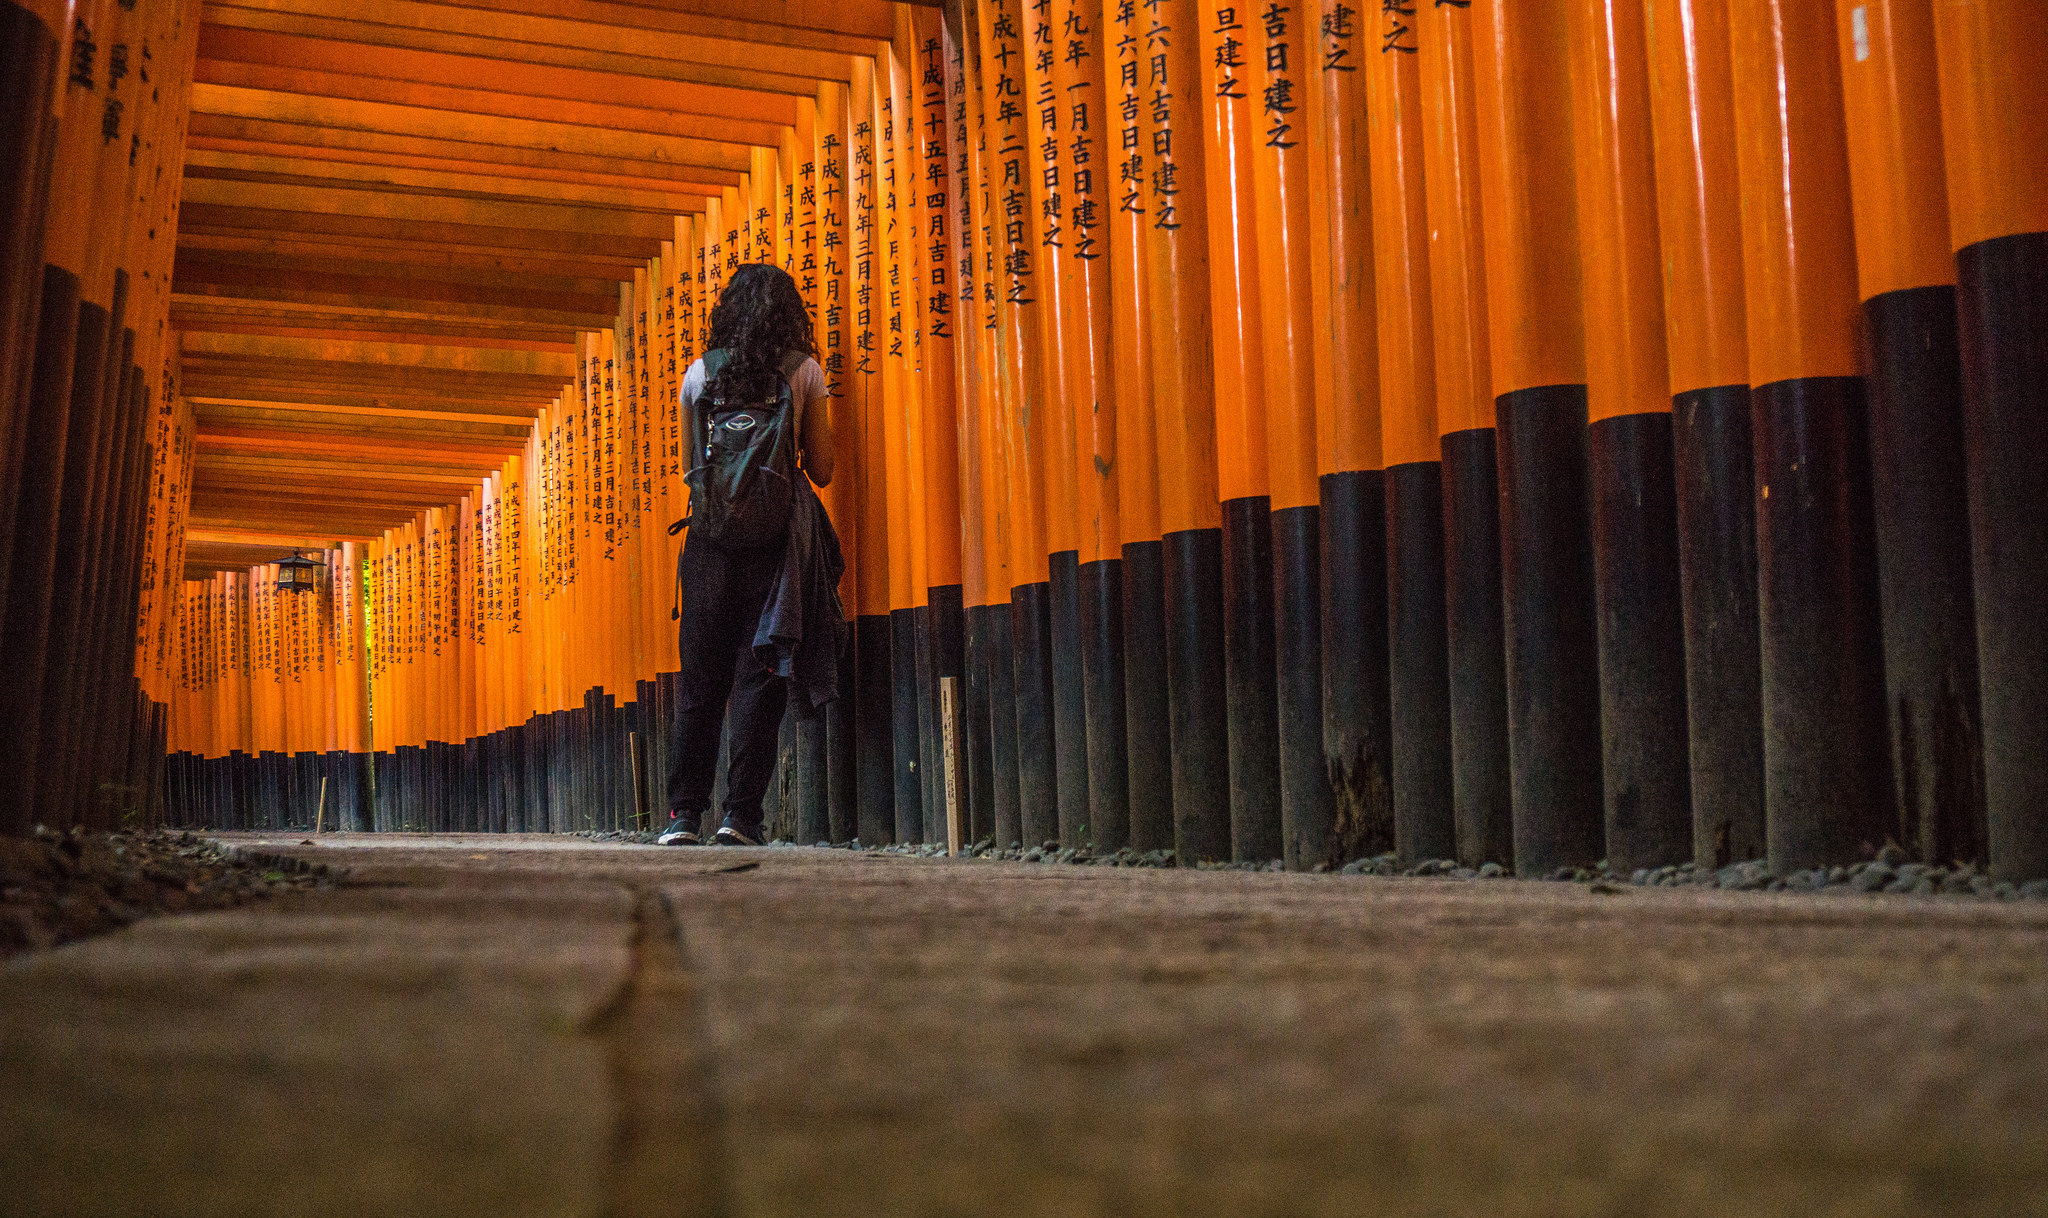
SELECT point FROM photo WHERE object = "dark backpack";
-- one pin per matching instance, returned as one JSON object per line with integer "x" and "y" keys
{"x": 743, "y": 462}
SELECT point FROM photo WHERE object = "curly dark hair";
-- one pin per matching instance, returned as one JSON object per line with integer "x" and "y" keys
{"x": 759, "y": 318}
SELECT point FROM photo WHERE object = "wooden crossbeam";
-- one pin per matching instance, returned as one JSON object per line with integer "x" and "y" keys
{"x": 734, "y": 43}
{"x": 290, "y": 170}
{"x": 270, "y": 105}
{"x": 221, "y": 46}
{"x": 484, "y": 102}
{"x": 397, "y": 216}
{"x": 209, "y": 130}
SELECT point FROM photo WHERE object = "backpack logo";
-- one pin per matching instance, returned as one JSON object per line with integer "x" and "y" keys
{"x": 740, "y": 422}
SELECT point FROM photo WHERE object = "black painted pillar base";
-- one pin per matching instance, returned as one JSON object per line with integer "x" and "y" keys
{"x": 946, "y": 645}
{"x": 382, "y": 764}
{"x": 1101, "y": 595}
{"x": 910, "y": 663}
{"x": 812, "y": 820}
{"x": 490, "y": 795}
{"x": 1645, "y": 760}
{"x": 1148, "y": 716}
{"x": 1552, "y": 650}
{"x": 1251, "y": 701}
{"x": 25, "y": 639}
{"x": 842, "y": 746}
{"x": 1476, "y": 636}
{"x": 95, "y": 359}
{"x": 1358, "y": 746}
{"x": 543, "y": 773}
{"x": 1826, "y": 774}
{"x": 413, "y": 801}
{"x": 512, "y": 780}
{"x": 1031, "y": 662}
{"x": 1921, "y": 504}
{"x": 1308, "y": 808}
{"x": 1198, "y": 689}
{"x": 27, "y": 139}
{"x": 1716, "y": 494}
{"x": 1005, "y": 807}
{"x": 977, "y": 741}
{"x": 874, "y": 725}
{"x": 1069, "y": 699}
{"x": 1418, "y": 667}
{"x": 778, "y": 803}
{"x": 2002, "y": 325}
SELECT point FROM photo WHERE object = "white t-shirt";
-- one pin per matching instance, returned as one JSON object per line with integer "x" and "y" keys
{"x": 807, "y": 386}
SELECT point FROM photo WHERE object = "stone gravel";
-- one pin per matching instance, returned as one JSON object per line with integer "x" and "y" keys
{"x": 57, "y": 887}
{"x": 1890, "y": 872}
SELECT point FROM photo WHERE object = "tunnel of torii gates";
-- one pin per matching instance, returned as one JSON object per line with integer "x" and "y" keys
{"x": 1537, "y": 431}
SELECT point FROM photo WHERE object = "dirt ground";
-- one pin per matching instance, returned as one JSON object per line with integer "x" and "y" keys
{"x": 528, "y": 1026}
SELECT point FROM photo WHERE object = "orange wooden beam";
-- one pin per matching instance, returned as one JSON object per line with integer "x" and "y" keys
{"x": 340, "y": 86}
{"x": 224, "y": 130}
{"x": 504, "y": 29}
{"x": 356, "y": 175}
{"x": 417, "y": 255}
{"x": 220, "y": 46}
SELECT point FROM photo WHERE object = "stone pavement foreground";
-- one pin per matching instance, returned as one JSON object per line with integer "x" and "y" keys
{"x": 545, "y": 1026}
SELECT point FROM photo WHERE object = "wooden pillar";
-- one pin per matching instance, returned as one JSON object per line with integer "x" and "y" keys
{"x": 1232, "y": 41}
{"x": 1290, "y": 146}
{"x": 33, "y": 37}
{"x": 1417, "y": 774}
{"x": 1532, "y": 292}
{"x": 933, "y": 194}
{"x": 1356, "y": 747}
{"x": 989, "y": 285}
{"x": 1086, "y": 159}
{"x": 902, "y": 435}
{"x": 1065, "y": 328}
{"x": 61, "y": 352}
{"x": 1825, "y": 766}
{"x": 878, "y": 787}
{"x": 1025, "y": 369}
{"x": 1993, "y": 64}
{"x": 1123, "y": 184}
{"x": 1173, "y": 132}
{"x": 835, "y": 312}
{"x": 1699, "y": 224}
{"x": 1481, "y": 803}
{"x": 1644, "y": 768}
{"x": 956, "y": 300}
{"x": 1913, "y": 374}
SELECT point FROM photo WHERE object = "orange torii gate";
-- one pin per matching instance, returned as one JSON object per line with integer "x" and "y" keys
{"x": 1529, "y": 434}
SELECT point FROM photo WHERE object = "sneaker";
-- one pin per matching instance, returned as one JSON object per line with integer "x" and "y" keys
{"x": 733, "y": 833}
{"x": 679, "y": 832}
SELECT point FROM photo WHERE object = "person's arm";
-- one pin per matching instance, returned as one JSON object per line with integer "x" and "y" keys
{"x": 687, "y": 393}
{"x": 817, "y": 439}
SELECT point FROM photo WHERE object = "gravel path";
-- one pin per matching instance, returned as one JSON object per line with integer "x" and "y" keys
{"x": 538, "y": 1026}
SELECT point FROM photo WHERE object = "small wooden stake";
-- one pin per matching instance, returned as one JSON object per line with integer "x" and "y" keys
{"x": 949, "y": 739}
{"x": 320, "y": 812}
{"x": 639, "y": 780}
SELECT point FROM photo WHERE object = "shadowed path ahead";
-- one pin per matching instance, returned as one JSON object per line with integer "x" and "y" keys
{"x": 526, "y": 1026}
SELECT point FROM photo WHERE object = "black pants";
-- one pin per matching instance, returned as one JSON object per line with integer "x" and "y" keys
{"x": 720, "y": 595}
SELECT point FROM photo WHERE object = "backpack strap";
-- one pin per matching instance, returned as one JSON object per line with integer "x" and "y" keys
{"x": 714, "y": 362}
{"x": 792, "y": 363}
{"x": 718, "y": 357}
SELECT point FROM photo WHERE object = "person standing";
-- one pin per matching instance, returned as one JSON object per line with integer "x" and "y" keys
{"x": 754, "y": 405}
